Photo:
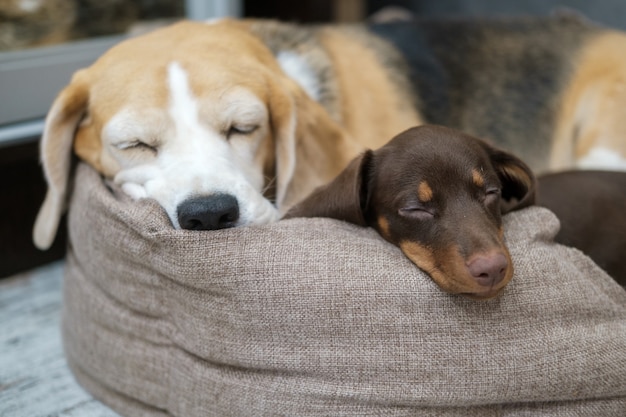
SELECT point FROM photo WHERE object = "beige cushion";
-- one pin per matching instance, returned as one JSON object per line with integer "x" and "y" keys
{"x": 315, "y": 317}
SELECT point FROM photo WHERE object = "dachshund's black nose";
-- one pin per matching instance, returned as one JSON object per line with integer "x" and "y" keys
{"x": 212, "y": 212}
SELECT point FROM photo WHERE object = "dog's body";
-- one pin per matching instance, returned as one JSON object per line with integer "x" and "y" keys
{"x": 438, "y": 194}
{"x": 212, "y": 120}
{"x": 591, "y": 206}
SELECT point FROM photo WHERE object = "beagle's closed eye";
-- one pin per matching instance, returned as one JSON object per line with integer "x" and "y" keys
{"x": 136, "y": 144}
{"x": 241, "y": 130}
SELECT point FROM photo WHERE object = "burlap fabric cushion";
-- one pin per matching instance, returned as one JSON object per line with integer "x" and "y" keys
{"x": 312, "y": 317}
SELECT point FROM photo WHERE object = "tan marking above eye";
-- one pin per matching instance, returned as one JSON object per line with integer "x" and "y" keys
{"x": 478, "y": 178}
{"x": 424, "y": 192}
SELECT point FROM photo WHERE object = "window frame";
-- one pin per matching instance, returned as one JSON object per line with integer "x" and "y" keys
{"x": 30, "y": 79}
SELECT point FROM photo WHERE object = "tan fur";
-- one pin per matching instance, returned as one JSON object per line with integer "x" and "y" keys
{"x": 322, "y": 148}
{"x": 452, "y": 276}
{"x": 423, "y": 257}
{"x": 592, "y": 109}
{"x": 372, "y": 108}
{"x": 383, "y": 227}
{"x": 478, "y": 179}
{"x": 424, "y": 192}
{"x": 56, "y": 146}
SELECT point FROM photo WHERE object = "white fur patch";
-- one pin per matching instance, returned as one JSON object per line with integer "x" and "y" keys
{"x": 300, "y": 71}
{"x": 602, "y": 158}
{"x": 183, "y": 107}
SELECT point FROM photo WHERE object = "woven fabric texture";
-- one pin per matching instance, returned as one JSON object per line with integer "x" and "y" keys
{"x": 316, "y": 317}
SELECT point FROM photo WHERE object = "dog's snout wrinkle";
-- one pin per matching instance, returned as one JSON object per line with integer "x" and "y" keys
{"x": 213, "y": 212}
{"x": 488, "y": 269}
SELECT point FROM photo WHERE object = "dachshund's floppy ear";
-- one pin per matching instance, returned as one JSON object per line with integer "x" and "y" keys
{"x": 56, "y": 154}
{"x": 344, "y": 198}
{"x": 517, "y": 179}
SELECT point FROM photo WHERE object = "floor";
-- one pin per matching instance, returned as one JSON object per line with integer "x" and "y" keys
{"x": 34, "y": 378}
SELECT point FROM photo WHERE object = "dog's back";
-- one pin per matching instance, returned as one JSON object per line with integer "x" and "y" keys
{"x": 546, "y": 89}
{"x": 591, "y": 206}
{"x": 499, "y": 79}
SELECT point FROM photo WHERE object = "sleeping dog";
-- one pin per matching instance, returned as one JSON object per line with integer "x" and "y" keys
{"x": 231, "y": 123}
{"x": 439, "y": 195}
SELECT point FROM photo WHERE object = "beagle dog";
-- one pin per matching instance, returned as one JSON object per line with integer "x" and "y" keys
{"x": 439, "y": 195}
{"x": 230, "y": 123}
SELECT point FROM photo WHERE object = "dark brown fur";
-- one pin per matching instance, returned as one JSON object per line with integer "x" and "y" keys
{"x": 591, "y": 206}
{"x": 439, "y": 195}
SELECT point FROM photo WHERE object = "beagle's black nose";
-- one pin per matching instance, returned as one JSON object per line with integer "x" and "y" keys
{"x": 212, "y": 212}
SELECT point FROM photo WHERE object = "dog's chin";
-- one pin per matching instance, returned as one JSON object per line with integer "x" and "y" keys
{"x": 134, "y": 191}
{"x": 466, "y": 287}
{"x": 483, "y": 296}
{"x": 488, "y": 293}
{"x": 266, "y": 213}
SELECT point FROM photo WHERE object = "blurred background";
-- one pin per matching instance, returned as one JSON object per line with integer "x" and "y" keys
{"x": 42, "y": 42}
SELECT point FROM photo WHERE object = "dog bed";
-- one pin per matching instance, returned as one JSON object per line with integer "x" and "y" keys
{"x": 313, "y": 317}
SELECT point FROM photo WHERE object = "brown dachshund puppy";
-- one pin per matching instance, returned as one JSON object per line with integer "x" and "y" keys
{"x": 591, "y": 206}
{"x": 439, "y": 195}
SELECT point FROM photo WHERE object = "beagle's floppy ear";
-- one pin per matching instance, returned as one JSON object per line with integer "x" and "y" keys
{"x": 344, "y": 198}
{"x": 311, "y": 147}
{"x": 56, "y": 155}
{"x": 518, "y": 181}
